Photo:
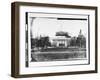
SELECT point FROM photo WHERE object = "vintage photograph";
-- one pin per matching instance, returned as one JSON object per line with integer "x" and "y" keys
{"x": 58, "y": 38}
{"x": 53, "y": 39}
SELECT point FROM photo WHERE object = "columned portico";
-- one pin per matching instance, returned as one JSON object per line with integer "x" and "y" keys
{"x": 61, "y": 41}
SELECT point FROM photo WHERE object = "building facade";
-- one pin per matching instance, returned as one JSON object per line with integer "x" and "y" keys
{"x": 60, "y": 41}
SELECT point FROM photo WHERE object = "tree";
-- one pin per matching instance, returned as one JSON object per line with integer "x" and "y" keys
{"x": 81, "y": 41}
{"x": 34, "y": 42}
{"x": 42, "y": 42}
{"x": 73, "y": 41}
{"x": 46, "y": 42}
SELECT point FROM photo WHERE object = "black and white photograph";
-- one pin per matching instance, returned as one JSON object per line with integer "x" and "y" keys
{"x": 61, "y": 37}
{"x": 53, "y": 39}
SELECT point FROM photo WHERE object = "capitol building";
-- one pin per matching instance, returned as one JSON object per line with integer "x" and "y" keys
{"x": 60, "y": 40}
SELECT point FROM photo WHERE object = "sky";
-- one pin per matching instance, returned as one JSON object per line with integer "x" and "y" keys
{"x": 49, "y": 26}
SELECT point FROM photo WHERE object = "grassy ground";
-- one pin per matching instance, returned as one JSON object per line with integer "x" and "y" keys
{"x": 59, "y": 54}
{"x": 62, "y": 49}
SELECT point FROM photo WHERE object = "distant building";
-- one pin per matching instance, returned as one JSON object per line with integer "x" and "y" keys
{"x": 80, "y": 34}
{"x": 81, "y": 40}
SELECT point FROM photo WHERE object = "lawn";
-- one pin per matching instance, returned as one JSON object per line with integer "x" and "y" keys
{"x": 59, "y": 54}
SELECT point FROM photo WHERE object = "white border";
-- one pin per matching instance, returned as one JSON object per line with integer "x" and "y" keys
{"x": 36, "y": 70}
{"x": 56, "y": 63}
